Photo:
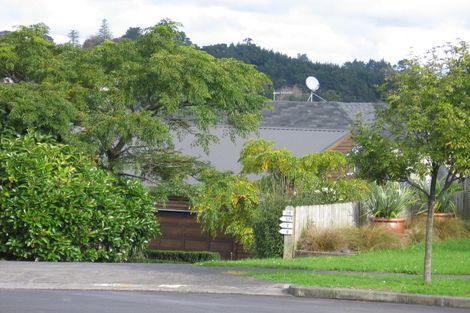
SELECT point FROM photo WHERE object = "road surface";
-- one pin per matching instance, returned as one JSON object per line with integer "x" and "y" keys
{"x": 55, "y": 301}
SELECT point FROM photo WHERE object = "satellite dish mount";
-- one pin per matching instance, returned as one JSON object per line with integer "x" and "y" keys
{"x": 313, "y": 84}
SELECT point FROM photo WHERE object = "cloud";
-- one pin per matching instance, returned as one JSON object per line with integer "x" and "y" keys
{"x": 327, "y": 31}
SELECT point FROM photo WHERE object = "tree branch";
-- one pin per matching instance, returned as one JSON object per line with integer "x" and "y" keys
{"x": 417, "y": 186}
{"x": 122, "y": 174}
{"x": 450, "y": 178}
{"x": 116, "y": 151}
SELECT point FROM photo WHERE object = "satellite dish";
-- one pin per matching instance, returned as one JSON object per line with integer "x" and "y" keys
{"x": 312, "y": 83}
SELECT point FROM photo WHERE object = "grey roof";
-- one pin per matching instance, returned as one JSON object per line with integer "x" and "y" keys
{"x": 302, "y": 127}
{"x": 317, "y": 115}
{"x": 224, "y": 155}
{"x": 363, "y": 110}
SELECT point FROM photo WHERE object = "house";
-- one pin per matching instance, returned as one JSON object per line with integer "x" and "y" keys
{"x": 302, "y": 127}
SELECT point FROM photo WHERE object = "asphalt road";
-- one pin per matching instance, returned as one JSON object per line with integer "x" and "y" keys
{"x": 55, "y": 301}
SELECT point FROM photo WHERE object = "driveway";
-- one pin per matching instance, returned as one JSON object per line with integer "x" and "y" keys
{"x": 127, "y": 276}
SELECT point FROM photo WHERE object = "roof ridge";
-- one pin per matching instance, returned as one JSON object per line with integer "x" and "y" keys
{"x": 338, "y": 130}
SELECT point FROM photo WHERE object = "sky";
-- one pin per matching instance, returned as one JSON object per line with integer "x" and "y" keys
{"x": 333, "y": 31}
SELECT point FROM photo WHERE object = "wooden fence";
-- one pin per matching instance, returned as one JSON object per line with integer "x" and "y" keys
{"x": 342, "y": 214}
{"x": 462, "y": 201}
{"x": 325, "y": 216}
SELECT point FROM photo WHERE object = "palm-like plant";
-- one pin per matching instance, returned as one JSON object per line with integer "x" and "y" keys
{"x": 445, "y": 203}
{"x": 388, "y": 201}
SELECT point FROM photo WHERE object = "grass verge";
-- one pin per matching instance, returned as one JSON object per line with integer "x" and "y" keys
{"x": 414, "y": 285}
{"x": 449, "y": 257}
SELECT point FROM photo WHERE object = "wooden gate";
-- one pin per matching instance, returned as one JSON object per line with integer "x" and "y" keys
{"x": 180, "y": 231}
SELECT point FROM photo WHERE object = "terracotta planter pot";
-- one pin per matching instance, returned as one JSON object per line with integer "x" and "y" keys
{"x": 440, "y": 216}
{"x": 443, "y": 216}
{"x": 395, "y": 224}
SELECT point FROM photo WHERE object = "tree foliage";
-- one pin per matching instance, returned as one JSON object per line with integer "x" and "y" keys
{"x": 55, "y": 205}
{"x": 37, "y": 97}
{"x": 351, "y": 82}
{"x": 425, "y": 127}
{"x": 132, "y": 33}
{"x": 315, "y": 178}
{"x": 123, "y": 101}
{"x": 227, "y": 202}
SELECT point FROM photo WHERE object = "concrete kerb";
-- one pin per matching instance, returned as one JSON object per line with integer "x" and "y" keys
{"x": 378, "y": 296}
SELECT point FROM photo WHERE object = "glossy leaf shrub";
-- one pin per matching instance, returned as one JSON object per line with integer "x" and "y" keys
{"x": 55, "y": 205}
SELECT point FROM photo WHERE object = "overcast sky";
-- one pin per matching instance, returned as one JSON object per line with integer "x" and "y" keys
{"x": 326, "y": 30}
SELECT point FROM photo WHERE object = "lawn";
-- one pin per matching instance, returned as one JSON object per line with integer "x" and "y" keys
{"x": 449, "y": 257}
{"x": 402, "y": 284}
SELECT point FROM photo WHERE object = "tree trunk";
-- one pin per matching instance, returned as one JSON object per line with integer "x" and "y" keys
{"x": 428, "y": 244}
{"x": 429, "y": 224}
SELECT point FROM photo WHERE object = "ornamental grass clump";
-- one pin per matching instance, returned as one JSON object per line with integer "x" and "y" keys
{"x": 367, "y": 238}
{"x": 364, "y": 238}
{"x": 453, "y": 228}
{"x": 329, "y": 239}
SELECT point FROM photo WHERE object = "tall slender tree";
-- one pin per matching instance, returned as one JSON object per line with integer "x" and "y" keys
{"x": 424, "y": 129}
{"x": 74, "y": 37}
{"x": 105, "y": 32}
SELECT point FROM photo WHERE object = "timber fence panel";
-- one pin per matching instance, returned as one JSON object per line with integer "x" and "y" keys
{"x": 325, "y": 216}
{"x": 462, "y": 202}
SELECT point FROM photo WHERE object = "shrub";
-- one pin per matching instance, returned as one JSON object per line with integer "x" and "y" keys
{"x": 268, "y": 242}
{"x": 55, "y": 205}
{"x": 182, "y": 256}
{"x": 323, "y": 191}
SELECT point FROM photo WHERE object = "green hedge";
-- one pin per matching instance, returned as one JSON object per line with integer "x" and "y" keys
{"x": 183, "y": 256}
{"x": 56, "y": 205}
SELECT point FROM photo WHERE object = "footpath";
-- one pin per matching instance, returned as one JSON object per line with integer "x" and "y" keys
{"x": 188, "y": 279}
{"x": 131, "y": 277}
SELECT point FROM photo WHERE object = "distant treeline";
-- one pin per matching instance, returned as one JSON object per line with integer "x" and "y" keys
{"x": 352, "y": 81}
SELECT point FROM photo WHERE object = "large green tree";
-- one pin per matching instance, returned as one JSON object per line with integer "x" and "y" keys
{"x": 424, "y": 130}
{"x": 125, "y": 101}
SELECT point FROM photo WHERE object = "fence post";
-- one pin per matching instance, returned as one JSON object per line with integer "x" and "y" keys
{"x": 289, "y": 240}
